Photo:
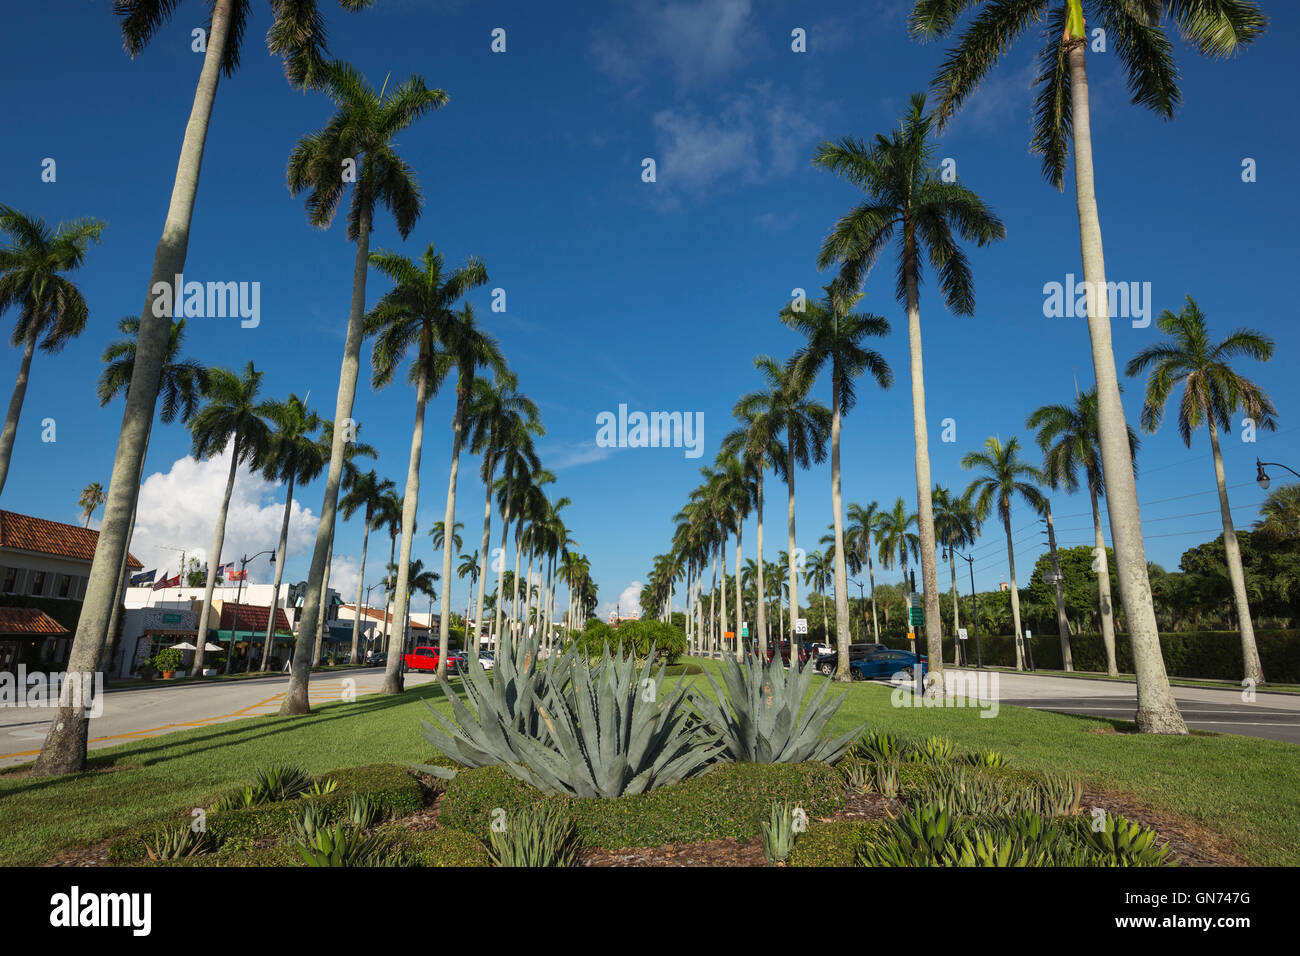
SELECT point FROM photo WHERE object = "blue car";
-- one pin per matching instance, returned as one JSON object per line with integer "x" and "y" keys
{"x": 886, "y": 663}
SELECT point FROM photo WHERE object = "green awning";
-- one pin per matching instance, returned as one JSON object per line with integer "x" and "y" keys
{"x": 281, "y": 637}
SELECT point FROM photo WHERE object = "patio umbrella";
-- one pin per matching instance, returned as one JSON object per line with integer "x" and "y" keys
{"x": 209, "y": 646}
{"x": 185, "y": 646}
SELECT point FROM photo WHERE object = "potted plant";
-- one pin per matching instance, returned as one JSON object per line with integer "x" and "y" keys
{"x": 166, "y": 661}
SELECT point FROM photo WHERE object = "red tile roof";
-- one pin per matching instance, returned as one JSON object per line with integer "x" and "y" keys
{"x": 252, "y": 617}
{"x": 28, "y": 620}
{"x": 26, "y": 533}
{"x": 381, "y": 616}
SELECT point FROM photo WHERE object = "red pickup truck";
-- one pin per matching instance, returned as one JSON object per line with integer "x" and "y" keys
{"x": 426, "y": 659}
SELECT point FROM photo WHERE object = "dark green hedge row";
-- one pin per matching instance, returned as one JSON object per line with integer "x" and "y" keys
{"x": 1211, "y": 655}
{"x": 728, "y": 800}
{"x": 834, "y": 843}
{"x": 394, "y": 790}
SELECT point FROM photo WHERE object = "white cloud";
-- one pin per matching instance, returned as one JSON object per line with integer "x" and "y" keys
{"x": 344, "y": 573}
{"x": 628, "y": 603}
{"x": 757, "y": 134}
{"x": 700, "y": 40}
{"x": 178, "y": 510}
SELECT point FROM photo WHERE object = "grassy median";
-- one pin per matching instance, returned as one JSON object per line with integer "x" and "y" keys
{"x": 1245, "y": 789}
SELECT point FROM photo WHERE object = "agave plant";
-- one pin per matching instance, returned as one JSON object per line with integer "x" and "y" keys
{"x": 568, "y": 726}
{"x": 539, "y": 835}
{"x": 282, "y": 782}
{"x": 779, "y": 832}
{"x": 931, "y": 750}
{"x": 501, "y": 708}
{"x": 987, "y": 758}
{"x": 1121, "y": 842}
{"x": 880, "y": 745}
{"x": 177, "y": 843}
{"x": 311, "y": 820}
{"x": 342, "y": 845}
{"x": 762, "y": 717}
{"x": 920, "y": 837}
{"x": 361, "y": 811}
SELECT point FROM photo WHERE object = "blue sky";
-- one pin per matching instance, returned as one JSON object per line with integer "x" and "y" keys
{"x": 656, "y": 295}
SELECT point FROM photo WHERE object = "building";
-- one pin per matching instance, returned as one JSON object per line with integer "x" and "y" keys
{"x": 20, "y": 626}
{"x": 45, "y": 565}
{"x": 376, "y": 622}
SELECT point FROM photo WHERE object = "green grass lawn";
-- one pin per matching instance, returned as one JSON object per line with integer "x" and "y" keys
{"x": 1246, "y": 789}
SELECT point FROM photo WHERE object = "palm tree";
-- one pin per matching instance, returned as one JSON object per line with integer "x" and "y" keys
{"x": 895, "y": 537}
{"x": 1281, "y": 514}
{"x": 1212, "y": 393}
{"x": 908, "y": 199}
{"x": 1063, "y": 114}
{"x": 1004, "y": 477}
{"x": 351, "y": 475}
{"x": 734, "y": 493}
{"x": 234, "y": 419}
{"x": 862, "y": 525}
{"x": 519, "y": 464}
{"x": 360, "y": 133}
{"x": 388, "y": 517}
{"x": 297, "y": 35}
{"x": 92, "y": 496}
{"x": 468, "y": 566}
{"x": 51, "y": 310}
{"x": 421, "y": 581}
{"x": 1070, "y": 440}
{"x": 417, "y": 311}
{"x": 807, "y": 425}
{"x": 817, "y": 574}
{"x": 955, "y": 526}
{"x": 498, "y": 413}
{"x": 762, "y": 416}
{"x": 367, "y": 495}
{"x": 437, "y": 531}
{"x": 180, "y": 387}
{"x": 294, "y": 456}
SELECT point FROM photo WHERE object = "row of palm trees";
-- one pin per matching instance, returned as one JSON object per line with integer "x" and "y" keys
{"x": 908, "y": 202}
{"x": 353, "y": 157}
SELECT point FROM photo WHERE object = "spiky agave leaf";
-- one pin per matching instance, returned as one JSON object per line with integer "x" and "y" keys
{"x": 762, "y": 717}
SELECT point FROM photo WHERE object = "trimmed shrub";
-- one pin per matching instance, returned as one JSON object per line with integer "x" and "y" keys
{"x": 635, "y": 637}
{"x": 835, "y": 842}
{"x": 437, "y": 848}
{"x": 728, "y": 800}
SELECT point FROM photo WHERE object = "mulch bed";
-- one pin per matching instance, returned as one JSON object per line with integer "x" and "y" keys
{"x": 1190, "y": 843}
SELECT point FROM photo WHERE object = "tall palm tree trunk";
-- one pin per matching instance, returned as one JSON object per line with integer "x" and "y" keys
{"x": 448, "y": 523}
{"x": 1157, "y": 711}
{"x": 505, "y": 531}
{"x": 514, "y": 605}
{"x": 281, "y": 548}
{"x": 924, "y": 505}
{"x": 390, "y": 592}
{"x": 393, "y": 682}
{"x": 1103, "y": 590}
{"x": 740, "y": 641}
{"x": 64, "y": 748}
{"x": 16, "y": 406}
{"x": 1017, "y": 635}
{"x": 114, "y": 619}
{"x": 214, "y": 560}
{"x": 760, "y": 594}
{"x": 871, "y": 577}
{"x": 841, "y": 584}
{"x": 722, "y": 605}
{"x": 318, "y": 643}
{"x": 472, "y": 650}
{"x": 1062, "y": 624}
{"x": 956, "y": 614}
{"x": 295, "y": 699}
{"x": 361, "y": 583}
{"x": 1253, "y": 670}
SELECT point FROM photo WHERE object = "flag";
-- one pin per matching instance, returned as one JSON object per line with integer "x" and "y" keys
{"x": 144, "y": 577}
{"x": 234, "y": 575}
{"x": 168, "y": 583}
{"x": 227, "y": 571}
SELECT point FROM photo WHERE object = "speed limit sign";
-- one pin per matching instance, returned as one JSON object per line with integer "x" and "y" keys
{"x": 801, "y": 625}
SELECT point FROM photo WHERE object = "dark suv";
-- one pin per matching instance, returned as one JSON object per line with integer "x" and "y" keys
{"x": 827, "y": 663}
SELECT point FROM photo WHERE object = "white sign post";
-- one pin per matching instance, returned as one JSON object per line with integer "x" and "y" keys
{"x": 801, "y": 625}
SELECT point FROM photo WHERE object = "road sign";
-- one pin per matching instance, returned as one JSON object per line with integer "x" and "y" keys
{"x": 729, "y": 635}
{"x": 916, "y": 616}
{"x": 1028, "y": 635}
{"x": 801, "y": 625}
{"x": 744, "y": 630}
{"x": 961, "y": 633}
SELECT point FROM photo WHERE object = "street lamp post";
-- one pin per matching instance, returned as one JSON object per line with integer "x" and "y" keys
{"x": 234, "y": 624}
{"x": 861, "y": 598}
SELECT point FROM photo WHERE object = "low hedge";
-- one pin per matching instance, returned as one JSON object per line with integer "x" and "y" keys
{"x": 729, "y": 800}
{"x": 393, "y": 789}
{"x": 438, "y": 848}
{"x": 834, "y": 843}
{"x": 1206, "y": 655}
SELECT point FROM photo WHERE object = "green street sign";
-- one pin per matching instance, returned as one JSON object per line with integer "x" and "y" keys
{"x": 916, "y": 616}
{"x": 744, "y": 631}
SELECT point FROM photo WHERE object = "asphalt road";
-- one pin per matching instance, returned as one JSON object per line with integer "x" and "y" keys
{"x": 1271, "y": 716}
{"x": 132, "y": 713}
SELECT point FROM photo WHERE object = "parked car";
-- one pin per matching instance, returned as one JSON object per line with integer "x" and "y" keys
{"x": 785, "y": 653}
{"x": 887, "y": 664}
{"x": 827, "y": 663}
{"x": 425, "y": 658}
{"x": 377, "y": 659}
{"x": 486, "y": 659}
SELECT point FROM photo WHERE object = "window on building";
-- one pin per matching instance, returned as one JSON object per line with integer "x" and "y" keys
{"x": 38, "y": 583}
{"x": 10, "y": 580}
{"x": 64, "y": 587}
